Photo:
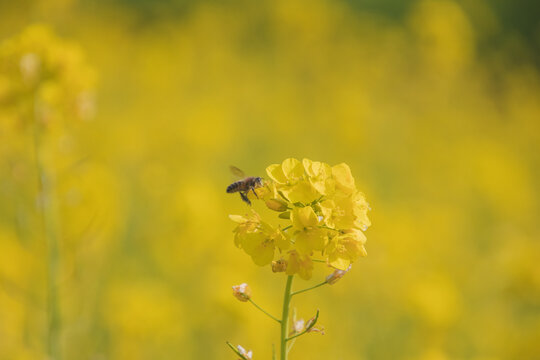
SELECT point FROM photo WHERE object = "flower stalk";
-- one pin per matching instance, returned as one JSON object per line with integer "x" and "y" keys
{"x": 264, "y": 311}
{"x": 49, "y": 222}
{"x": 307, "y": 289}
{"x": 285, "y": 317}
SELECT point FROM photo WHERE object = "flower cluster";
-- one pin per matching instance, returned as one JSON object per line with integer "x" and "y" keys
{"x": 43, "y": 76}
{"x": 45, "y": 90}
{"x": 322, "y": 217}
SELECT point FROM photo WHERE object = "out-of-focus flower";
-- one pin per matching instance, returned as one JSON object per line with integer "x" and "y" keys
{"x": 242, "y": 292}
{"x": 336, "y": 275}
{"x": 49, "y": 76}
{"x": 30, "y": 65}
{"x": 86, "y": 105}
{"x": 324, "y": 215}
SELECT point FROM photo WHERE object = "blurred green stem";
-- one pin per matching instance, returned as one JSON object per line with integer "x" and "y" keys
{"x": 48, "y": 216}
{"x": 285, "y": 317}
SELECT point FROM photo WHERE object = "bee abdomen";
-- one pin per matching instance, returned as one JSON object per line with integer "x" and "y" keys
{"x": 233, "y": 187}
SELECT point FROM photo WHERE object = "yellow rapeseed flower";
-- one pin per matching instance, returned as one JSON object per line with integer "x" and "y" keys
{"x": 300, "y": 264}
{"x": 257, "y": 238}
{"x": 324, "y": 215}
{"x": 308, "y": 235}
{"x": 345, "y": 248}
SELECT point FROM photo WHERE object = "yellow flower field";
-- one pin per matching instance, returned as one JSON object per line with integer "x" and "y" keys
{"x": 119, "y": 121}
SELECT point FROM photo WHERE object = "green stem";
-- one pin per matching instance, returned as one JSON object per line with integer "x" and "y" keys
{"x": 264, "y": 311}
{"x": 285, "y": 317}
{"x": 311, "y": 288}
{"x": 48, "y": 217}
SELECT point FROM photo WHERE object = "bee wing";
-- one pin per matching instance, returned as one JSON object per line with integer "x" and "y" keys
{"x": 237, "y": 172}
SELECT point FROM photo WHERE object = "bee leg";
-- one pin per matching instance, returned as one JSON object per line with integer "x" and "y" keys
{"x": 245, "y": 198}
{"x": 253, "y": 189}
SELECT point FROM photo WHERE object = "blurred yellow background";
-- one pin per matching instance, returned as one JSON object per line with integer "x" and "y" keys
{"x": 119, "y": 119}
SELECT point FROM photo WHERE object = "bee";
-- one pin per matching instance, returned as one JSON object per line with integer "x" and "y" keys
{"x": 245, "y": 185}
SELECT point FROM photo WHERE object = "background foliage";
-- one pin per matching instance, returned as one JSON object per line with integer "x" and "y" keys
{"x": 434, "y": 104}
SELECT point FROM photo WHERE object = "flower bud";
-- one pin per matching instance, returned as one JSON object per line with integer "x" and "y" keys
{"x": 242, "y": 292}
{"x": 310, "y": 325}
{"x": 245, "y": 354}
{"x": 279, "y": 265}
{"x": 336, "y": 275}
{"x": 276, "y": 205}
{"x": 298, "y": 326}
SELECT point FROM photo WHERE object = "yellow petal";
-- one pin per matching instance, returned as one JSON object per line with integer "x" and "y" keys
{"x": 340, "y": 263}
{"x": 327, "y": 208}
{"x": 308, "y": 166}
{"x": 275, "y": 172}
{"x": 304, "y": 217}
{"x": 263, "y": 254}
{"x": 293, "y": 169}
{"x": 299, "y": 264}
{"x": 282, "y": 240}
{"x": 357, "y": 235}
{"x": 338, "y": 254}
{"x": 343, "y": 177}
{"x": 308, "y": 241}
{"x": 354, "y": 248}
{"x": 258, "y": 247}
{"x": 319, "y": 176}
{"x": 302, "y": 192}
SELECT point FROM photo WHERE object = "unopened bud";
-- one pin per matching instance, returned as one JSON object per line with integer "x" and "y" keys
{"x": 310, "y": 325}
{"x": 242, "y": 292}
{"x": 246, "y": 354}
{"x": 276, "y": 205}
{"x": 336, "y": 275}
{"x": 298, "y": 326}
{"x": 279, "y": 265}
